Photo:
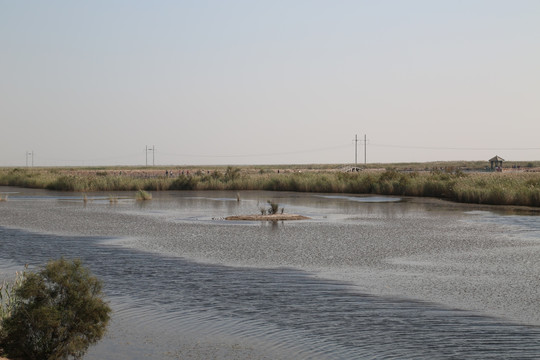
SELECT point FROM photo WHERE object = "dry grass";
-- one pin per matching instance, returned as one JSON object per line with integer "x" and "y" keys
{"x": 447, "y": 180}
{"x": 142, "y": 195}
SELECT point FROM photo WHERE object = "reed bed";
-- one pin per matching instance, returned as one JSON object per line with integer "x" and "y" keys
{"x": 506, "y": 188}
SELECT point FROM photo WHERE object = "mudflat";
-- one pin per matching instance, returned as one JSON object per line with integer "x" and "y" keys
{"x": 273, "y": 217}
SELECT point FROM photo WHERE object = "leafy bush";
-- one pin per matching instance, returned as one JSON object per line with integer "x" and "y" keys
{"x": 60, "y": 313}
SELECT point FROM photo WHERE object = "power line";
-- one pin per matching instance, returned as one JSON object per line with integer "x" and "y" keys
{"x": 133, "y": 156}
{"x": 258, "y": 155}
{"x": 451, "y": 148}
{"x": 356, "y": 149}
{"x": 107, "y": 158}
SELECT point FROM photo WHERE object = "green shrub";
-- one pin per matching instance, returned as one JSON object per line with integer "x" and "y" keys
{"x": 60, "y": 314}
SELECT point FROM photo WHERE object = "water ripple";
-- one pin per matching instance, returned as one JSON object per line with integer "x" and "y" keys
{"x": 289, "y": 311}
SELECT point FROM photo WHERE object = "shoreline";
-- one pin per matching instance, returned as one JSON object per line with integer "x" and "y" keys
{"x": 510, "y": 188}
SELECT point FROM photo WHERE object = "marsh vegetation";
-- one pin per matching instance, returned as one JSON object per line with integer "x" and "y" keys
{"x": 450, "y": 182}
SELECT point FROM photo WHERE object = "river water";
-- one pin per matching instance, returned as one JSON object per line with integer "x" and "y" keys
{"x": 365, "y": 278}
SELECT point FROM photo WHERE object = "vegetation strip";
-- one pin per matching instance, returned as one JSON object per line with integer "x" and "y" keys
{"x": 496, "y": 188}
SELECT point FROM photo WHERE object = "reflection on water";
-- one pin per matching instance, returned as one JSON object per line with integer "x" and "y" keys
{"x": 363, "y": 199}
{"x": 400, "y": 270}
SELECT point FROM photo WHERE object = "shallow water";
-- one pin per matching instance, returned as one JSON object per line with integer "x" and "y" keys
{"x": 365, "y": 278}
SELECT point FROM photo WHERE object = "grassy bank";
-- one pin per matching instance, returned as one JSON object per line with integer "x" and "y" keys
{"x": 506, "y": 188}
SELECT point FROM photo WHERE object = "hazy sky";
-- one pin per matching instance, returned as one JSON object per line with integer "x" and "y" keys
{"x": 268, "y": 82}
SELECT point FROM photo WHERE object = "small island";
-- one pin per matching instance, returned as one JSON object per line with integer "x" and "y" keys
{"x": 272, "y": 217}
{"x": 273, "y": 213}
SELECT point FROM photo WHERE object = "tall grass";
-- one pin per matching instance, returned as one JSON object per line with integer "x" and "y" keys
{"x": 143, "y": 195}
{"x": 507, "y": 188}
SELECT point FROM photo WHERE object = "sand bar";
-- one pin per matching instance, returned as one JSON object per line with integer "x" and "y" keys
{"x": 273, "y": 217}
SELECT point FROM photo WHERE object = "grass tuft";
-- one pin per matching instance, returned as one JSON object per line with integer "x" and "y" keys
{"x": 142, "y": 195}
{"x": 274, "y": 207}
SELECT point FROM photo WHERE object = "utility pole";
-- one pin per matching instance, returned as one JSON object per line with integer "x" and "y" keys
{"x": 29, "y": 153}
{"x": 153, "y": 150}
{"x": 356, "y": 150}
{"x": 365, "y": 149}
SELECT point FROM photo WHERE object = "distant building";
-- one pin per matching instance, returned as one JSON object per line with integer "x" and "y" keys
{"x": 496, "y": 162}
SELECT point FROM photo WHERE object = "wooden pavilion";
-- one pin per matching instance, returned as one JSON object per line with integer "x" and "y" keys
{"x": 496, "y": 162}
